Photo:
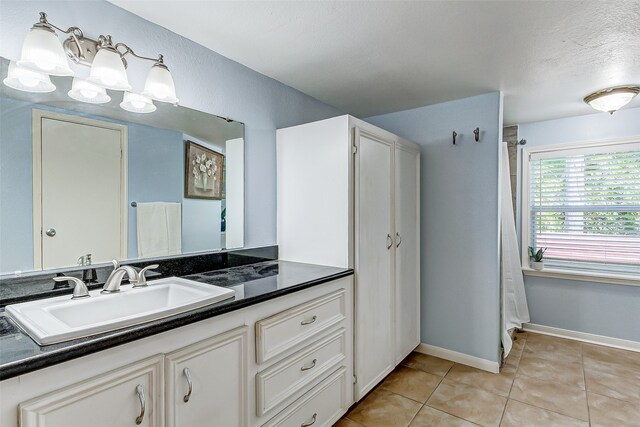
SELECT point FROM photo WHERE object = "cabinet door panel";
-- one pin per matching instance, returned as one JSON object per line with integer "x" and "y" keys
{"x": 217, "y": 370}
{"x": 374, "y": 260}
{"x": 104, "y": 401}
{"x": 407, "y": 241}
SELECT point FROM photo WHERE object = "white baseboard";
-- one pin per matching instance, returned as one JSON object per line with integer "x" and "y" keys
{"x": 583, "y": 336}
{"x": 464, "y": 359}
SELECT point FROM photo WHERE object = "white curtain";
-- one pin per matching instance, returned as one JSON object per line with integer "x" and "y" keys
{"x": 514, "y": 300}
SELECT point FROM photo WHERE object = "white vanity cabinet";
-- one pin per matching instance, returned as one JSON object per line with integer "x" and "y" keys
{"x": 206, "y": 382}
{"x": 306, "y": 343}
{"x": 349, "y": 196}
{"x": 129, "y": 396}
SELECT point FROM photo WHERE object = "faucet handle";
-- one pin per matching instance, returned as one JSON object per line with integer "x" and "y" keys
{"x": 142, "y": 278}
{"x": 80, "y": 290}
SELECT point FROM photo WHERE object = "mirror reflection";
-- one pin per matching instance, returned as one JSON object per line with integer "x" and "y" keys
{"x": 86, "y": 183}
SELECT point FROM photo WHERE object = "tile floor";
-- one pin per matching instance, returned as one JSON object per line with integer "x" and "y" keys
{"x": 546, "y": 381}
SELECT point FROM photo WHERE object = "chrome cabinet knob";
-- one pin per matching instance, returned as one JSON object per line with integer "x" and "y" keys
{"x": 51, "y": 232}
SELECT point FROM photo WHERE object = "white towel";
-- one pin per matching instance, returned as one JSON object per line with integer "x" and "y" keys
{"x": 159, "y": 229}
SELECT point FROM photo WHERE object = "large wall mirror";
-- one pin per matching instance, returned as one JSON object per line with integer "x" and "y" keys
{"x": 81, "y": 180}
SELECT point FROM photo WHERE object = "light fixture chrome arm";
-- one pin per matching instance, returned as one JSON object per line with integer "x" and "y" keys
{"x": 129, "y": 51}
{"x": 75, "y": 32}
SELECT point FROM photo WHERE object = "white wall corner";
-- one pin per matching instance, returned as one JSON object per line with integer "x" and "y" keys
{"x": 462, "y": 358}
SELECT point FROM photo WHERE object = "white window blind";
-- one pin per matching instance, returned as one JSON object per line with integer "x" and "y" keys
{"x": 585, "y": 208}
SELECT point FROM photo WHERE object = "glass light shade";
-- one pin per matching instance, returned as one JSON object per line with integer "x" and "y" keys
{"x": 27, "y": 80}
{"x": 42, "y": 51}
{"x": 137, "y": 103}
{"x": 612, "y": 99}
{"x": 107, "y": 70}
{"x": 84, "y": 91}
{"x": 159, "y": 85}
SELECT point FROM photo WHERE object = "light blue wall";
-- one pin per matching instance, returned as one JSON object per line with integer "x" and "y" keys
{"x": 205, "y": 81}
{"x": 595, "y": 308}
{"x": 156, "y": 172}
{"x": 459, "y": 185}
{"x": 16, "y": 204}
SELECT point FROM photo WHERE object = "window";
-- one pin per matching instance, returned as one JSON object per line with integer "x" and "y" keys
{"x": 583, "y": 205}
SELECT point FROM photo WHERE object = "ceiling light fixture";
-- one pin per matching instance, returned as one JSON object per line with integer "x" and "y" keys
{"x": 612, "y": 99}
{"x": 43, "y": 53}
{"x": 137, "y": 103}
{"x": 27, "y": 80}
{"x": 85, "y": 91}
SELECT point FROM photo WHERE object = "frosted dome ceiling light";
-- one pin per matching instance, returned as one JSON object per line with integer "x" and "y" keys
{"x": 159, "y": 84}
{"x": 107, "y": 69}
{"x": 42, "y": 50}
{"x": 612, "y": 99}
{"x": 27, "y": 80}
{"x": 84, "y": 91}
{"x": 137, "y": 103}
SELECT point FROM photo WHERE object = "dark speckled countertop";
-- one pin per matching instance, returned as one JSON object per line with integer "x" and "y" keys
{"x": 253, "y": 283}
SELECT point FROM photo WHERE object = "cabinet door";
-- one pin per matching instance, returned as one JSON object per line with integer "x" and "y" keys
{"x": 374, "y": 249}
{"x": 207, "y": 384}
{"x": 407, "y": 241}
{"x": 130, "y": 396}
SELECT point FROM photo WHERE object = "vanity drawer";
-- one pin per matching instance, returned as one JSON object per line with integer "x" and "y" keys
{"x": 320, "y": 407}
{"x": 285, "y": 330}
{"x": 288, "y": 377}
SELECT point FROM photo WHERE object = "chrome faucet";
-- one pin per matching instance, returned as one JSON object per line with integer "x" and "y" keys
{"x": 137, "y": 279}
{"x": 113, "y": 282}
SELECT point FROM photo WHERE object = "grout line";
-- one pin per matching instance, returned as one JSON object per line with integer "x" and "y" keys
{"x": 548, "y": 410}
{"x": 448, "y": 413}
{"x": 584, "y": 378}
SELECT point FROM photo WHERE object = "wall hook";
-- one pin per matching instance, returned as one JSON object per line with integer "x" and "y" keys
{"x": 454, "y": 137}
{"x": 476, "y": 132}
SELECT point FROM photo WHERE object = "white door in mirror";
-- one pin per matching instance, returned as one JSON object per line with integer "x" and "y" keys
{"x": 59, "y": 319}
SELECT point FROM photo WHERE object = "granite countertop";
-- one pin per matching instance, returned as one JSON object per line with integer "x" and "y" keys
{"x": 253, "y": 283}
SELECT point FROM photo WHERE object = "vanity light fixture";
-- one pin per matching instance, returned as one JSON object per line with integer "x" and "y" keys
{"x": 612, "y": 99}
{"x": 43, "y": 53}
{"x": 137, "y": 103}
{"x": 27, "y": 80}
{"x": 85, "y": 91}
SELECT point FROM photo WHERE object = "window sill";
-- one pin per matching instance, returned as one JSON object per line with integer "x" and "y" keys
{"x": 613, "y": 279}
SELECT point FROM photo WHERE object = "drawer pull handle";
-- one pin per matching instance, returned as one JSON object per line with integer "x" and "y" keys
{"x": 313, "y": 365}
{"x": 187, "y": 374}
{"x": 398, "y": 240}
{"x": 389, "y": 241}
{"x": 313, "y": 421}
{"x": 143, "y": 403}
{"x": 308, "y": 322}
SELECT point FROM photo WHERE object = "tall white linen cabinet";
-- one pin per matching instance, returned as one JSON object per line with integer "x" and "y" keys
{"x": 349, "y": 196}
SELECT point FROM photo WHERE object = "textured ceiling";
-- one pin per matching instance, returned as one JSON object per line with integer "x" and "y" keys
{"x": 370, "y": 58}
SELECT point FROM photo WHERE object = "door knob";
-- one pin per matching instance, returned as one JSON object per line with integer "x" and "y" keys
{"x": 51, "y": 232}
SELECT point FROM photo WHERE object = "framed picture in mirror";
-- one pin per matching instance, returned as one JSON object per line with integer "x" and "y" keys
{"x": 203, "y": 172}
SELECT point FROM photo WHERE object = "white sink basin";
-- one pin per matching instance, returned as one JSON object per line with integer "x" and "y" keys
{"x": 58, "y": 319}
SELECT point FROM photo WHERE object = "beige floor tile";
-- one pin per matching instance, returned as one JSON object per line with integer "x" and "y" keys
{"x": 606, "y": 411}
{"x": 619, "y": 387}
{"x": 382, "y": 408}
{"x": 519, "y": 414}
{"x": 552, "y": 348}
{"x": 411, "y": 383}
{"x": 345, "y": 422}
{"x": 626, "y": 358}
{"x": 494, "y": 383}
{"x": 563, "y": 371}
{"x": 554, "y": 396}
{"x": 611, "y": 368}
{"x": 430, "y": 364}
{"x": 470, "y": 403}
{"x": 430, "y": 417}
